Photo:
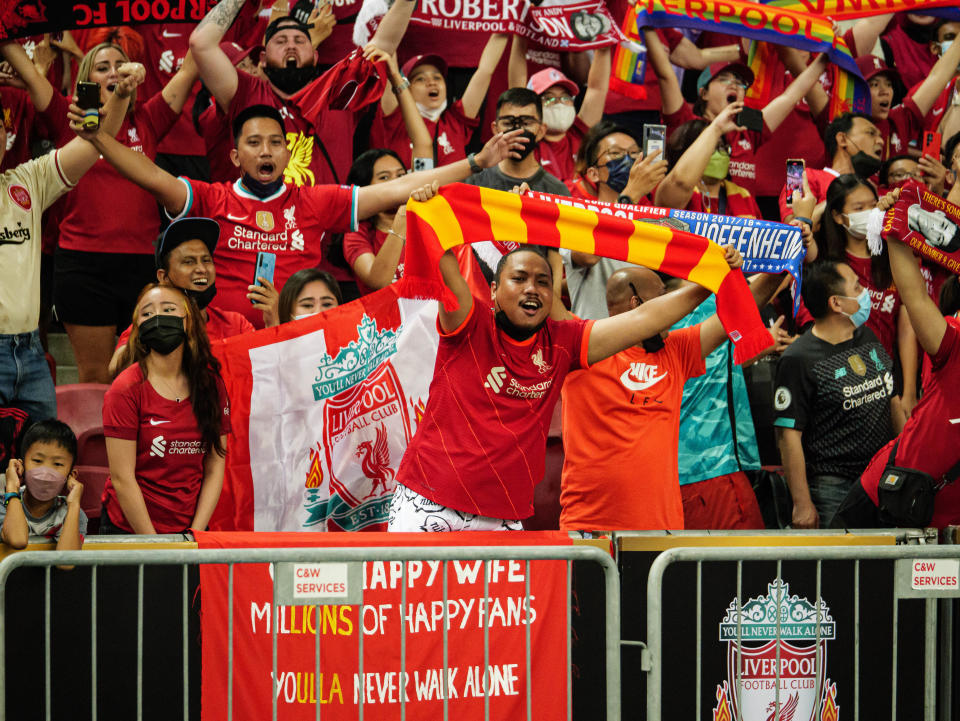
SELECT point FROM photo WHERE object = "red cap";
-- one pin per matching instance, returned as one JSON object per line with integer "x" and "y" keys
{"x": 870, "y": 66}
{"x": 236, "y": 53}
{"x": 435, "y": 60}
{"x": 547, "y": 78}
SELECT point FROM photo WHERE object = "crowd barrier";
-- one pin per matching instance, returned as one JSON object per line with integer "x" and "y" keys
{"x": 182, "y": 560}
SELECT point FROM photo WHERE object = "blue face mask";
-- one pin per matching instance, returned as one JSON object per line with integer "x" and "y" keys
{"x": 944, "y": 46}
{"x": 619, "y": 173}
{"x": 859, "y": 317}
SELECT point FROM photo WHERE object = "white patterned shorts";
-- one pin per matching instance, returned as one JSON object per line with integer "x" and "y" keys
{"x": 409, "y": 511}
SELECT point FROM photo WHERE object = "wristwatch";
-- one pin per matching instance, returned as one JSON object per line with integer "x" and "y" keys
{"x": 625, "y": 199}
{"x": 474, "y": 167}
{"x": 400, "y": 87}
{"x": 7, "y": 497}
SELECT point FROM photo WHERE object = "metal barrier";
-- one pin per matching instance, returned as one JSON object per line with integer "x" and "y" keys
{"x": 653, "y": 661}
{"x": 229, "y": 557}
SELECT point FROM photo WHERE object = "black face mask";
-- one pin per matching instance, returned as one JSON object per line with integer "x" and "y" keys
{"x": 531, "y": 144}
{"x": 261, "y": 190}
{"x": 864, "y": 166}
{"x": 201, "y": 297}
{"x": 290, "y": 80}
{"x": 162, "y": 333}
{"x": 655, "y": 342}
{"x": 513, "y": 330}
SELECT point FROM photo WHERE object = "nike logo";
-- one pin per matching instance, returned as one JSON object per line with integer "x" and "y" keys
{"x": 954, "y": 421}
{"x": 171, "y": 35}
{"x": 236, "y": 217}
{"x": 633, "y": 385}
{"x": 937, "y": 111}
{"x": 157, "y": 423}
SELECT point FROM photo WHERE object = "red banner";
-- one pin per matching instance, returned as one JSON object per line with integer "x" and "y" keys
{"x": 298, "y": 686}
{"x": 927, "y": 223}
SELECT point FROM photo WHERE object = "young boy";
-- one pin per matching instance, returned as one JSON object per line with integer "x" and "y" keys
{"x": 37, "y": 508}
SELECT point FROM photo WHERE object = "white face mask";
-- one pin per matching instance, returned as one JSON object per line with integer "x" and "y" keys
{"x": 559, "y": 117}
{"x": 857, "y": 223}
{"x": 431, "y": 114}
{"x": 305, "y": 315}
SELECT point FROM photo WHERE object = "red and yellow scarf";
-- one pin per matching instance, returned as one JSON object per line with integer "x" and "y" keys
{"x": 461, "y": 214}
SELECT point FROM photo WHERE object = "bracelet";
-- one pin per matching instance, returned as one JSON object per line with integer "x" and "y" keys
{"x": 474, "y": 167}
{"x": 7, "y": 497}
{"x": 625, "y": 199}
{"x": 403, "y": 85}
{"x": 803, "y": 220}
{"x": 393, "y": 232}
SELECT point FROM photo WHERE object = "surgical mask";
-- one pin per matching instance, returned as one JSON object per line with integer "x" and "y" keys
{"x": 514, "y": 331}
{"x": 619, "y": 173}
{"x": 859, "y": 317}
{"x": 559, "y": 116}
{"x": 162, "y": 333}
{"x": 261, "y": 190}
{"x": 717, "y": 166}
{"x": 857, "y": 223}
{"x": 201, "y": 297}
{"x": 290, "y": 80}
{"x": 305, "y": 315}
{"x": 432, "y": 114}
{"x": 44, "y": 483}
{"x": 944, "y": 46}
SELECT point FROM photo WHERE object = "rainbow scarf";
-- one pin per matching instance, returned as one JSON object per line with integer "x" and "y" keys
{"x": 462, "y": 214}
{"x": 782, "y": 26}
{"x": 852, "y": 9}
{"x": 629, "y": 60}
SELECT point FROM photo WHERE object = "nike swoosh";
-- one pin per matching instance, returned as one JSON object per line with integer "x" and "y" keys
{"x": 235, "y": 217}
{"x": 937, "y": 111}
{"x": 633, "y": 385}
{"x": 171, "y": 35}
{"x": 954, "y": 421}
{"x": 157, "y": 423}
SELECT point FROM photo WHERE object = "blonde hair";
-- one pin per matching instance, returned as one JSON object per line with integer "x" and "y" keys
{"x": 86, "y": 65}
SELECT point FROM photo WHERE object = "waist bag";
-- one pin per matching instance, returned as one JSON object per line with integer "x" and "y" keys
{"x": 906, "y": 496}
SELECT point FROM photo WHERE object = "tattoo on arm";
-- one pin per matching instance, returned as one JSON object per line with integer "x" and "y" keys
{"x": 223, "y": 14}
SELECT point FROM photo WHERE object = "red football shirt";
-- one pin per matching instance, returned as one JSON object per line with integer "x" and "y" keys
{"x": 164, "y": 47}
{"x": 818, "y": 180}
{"x": 218, "y": 142}
{"x": 481, "y": 445}
{"x": 220, "y": 324}
{"x": 170, "y": 452}
{"x": 450, "y": 132}
{"x": 621, "y": 426}
{"x": 740, "y": 202}
{"x": 106, "y": 213}
{"x": 18, "y": 121}
{"x": 885, "y": 305}
{"x": 291, "y": 223}
{"x": 559, "y": 158}
{"x": 930, "y": 439}
{"x": 367, "y": 239}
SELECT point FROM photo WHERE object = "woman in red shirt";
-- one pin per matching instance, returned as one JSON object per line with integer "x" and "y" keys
{"x": 165, "y": 419}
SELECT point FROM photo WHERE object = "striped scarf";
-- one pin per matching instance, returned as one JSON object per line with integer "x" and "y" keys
{"x": 845, "y": 10}
{"x": 462, "y": 214}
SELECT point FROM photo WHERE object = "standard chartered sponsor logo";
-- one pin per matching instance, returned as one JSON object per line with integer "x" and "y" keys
{"x": 159, "y": 447}
{"x": 868, "y": 391}
{"x": 495, "y": 378}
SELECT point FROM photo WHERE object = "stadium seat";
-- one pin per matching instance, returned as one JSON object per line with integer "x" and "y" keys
{"x": 80, "y": 406}
{"x": 93, "y": 479}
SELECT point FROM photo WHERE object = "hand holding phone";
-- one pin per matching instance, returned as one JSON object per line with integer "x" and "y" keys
{"x": 795, "y": 167}
{"x": 301, "y": 11}
{"x": 88, "y": 100}
{"x": 750, "y": 119}
{"x": 265, "y": 266}
{"x": 654, "y": 138}
{"x": 931, "y": 144}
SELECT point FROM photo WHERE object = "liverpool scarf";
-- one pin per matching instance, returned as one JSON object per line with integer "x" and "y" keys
{"x": 462, "y": 214}
{"x": 846, "y": 10}
{"x": 924, "y": 221}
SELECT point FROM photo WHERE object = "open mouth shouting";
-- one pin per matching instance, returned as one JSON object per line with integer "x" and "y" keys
{"x": 265, "y": 170}
{"x": 531, "y": 305}
{"x": 200, "y": 283}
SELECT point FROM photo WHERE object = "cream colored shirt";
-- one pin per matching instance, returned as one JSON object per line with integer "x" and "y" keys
{"x": 25, "y": 192}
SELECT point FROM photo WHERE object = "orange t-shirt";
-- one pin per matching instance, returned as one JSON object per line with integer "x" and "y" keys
{"x": 621, "y": 420}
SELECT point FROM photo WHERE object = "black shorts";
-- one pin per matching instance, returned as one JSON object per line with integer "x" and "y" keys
{"x": 99, "y": 289}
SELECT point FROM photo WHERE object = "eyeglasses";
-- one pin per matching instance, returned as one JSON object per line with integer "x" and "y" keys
{"x": 731, "y": 80}
{"x": 565, "y": 99}
{"x": 506, "y": 123}
{"x": 614, "y": 154}
{"x": 903, "y": 175}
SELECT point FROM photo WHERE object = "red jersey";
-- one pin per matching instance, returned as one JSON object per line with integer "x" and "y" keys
{"x": 450, "y": 133}
{"x": 170, "y": 452}
{"x": 797, "y": 137}
{"x": 559, "y": 158}
{"x": 735, "y": 201}
{"x": 218, "y": 142}
{"x": 291, "y": 223}
{"x": 164, "y": 47}
{"x": 106, "y": 213}
{"x": 18, "y": 121}
{"x": 932, "y": 119}
{"x": 930, "y": 440}
{"x": 818, "y": 180}
{"x": 884, "y": 304}
{"x": 220, "y": 324}
{"x": 481, "y": 445}
{"x": 743, "y": 146}
{"x": 903, "y": 125}
{"x": 912, "y": 58}
{"x": 621, "y": 426}
{"x": 367, "y": 239}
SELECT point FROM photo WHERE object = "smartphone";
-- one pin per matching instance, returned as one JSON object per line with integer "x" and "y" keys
{"x": 266, "y": 263}
{"x": 301, "y": 11}
{"x": 750, "y": 119}
{"x": 654, "y": 139}
{"x": 931, "y": 144}
{"x": 795, "y": 168}
{"x": 88, "y": 100}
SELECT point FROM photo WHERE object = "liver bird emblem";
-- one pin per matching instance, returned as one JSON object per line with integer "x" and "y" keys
{"x": 787, "y": 709}
{"x": 298, "y": 170}
{"x": 375, "y": 461}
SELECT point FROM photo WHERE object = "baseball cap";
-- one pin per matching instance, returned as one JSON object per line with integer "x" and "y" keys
{"x": 870, "y": 66}
{"x": 184, "y": 229}
{"x": 236, "y": 53}
{"x": 284, "y": 23}
{"x": 547, "y": 78}
{"x": 712, "y": 71}
{"x": 435, "y": 60}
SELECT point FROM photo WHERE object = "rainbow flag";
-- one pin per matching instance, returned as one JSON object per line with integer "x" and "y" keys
{"x": 629, "y": 60}
{"x": 851, "y": 9}
{"x": 460, "y": 214}
{"x": 760, "y": 57}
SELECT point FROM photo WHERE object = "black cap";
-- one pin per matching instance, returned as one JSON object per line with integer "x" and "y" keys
{"x": 184, "y": 229}
{"x": 285, "y": 23}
